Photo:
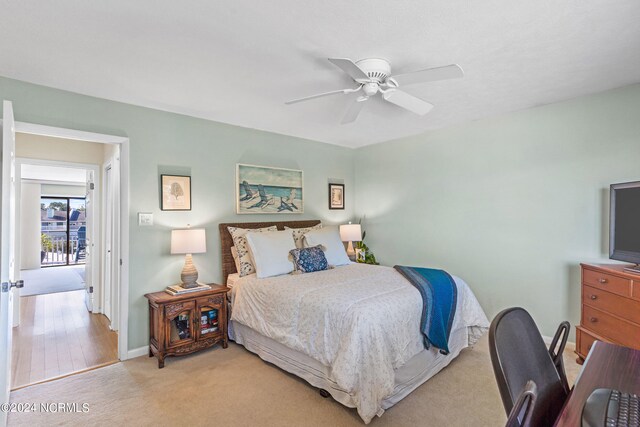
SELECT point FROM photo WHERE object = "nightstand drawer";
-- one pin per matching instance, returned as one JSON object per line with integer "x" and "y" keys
{"x": 610, "y": 327}
{"x": 607, "y": 282}
{"x": 625, "y": 308}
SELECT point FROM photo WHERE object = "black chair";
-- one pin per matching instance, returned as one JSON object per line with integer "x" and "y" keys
{"x": 531, "y": 378}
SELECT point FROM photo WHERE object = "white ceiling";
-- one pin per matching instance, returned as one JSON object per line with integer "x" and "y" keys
{"x": 53, "y": 173}
{"x": 238, "y": 61}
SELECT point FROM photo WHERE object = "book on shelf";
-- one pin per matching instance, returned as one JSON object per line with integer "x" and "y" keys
{"x": 179, "y": 290}
{"x": 209, "y": 321}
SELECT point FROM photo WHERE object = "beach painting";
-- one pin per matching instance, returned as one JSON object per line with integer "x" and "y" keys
{"x": 267, "y": 190}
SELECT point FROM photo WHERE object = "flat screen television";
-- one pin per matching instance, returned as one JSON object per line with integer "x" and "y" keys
{"x": 624, "y": 223}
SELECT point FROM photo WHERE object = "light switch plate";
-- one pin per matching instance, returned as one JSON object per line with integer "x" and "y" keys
{"x": 145, "y": 219}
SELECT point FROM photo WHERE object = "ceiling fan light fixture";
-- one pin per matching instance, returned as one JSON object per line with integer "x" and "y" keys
{"x": 373, "y": 76}
{"x": 378, "y": 69}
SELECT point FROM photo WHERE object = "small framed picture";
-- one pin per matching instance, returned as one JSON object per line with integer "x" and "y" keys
{"x": 336, "y": 196}
{"x": 176, "y": 192}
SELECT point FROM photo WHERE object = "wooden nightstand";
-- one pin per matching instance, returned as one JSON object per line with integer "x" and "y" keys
{"x": 184, "y": 324}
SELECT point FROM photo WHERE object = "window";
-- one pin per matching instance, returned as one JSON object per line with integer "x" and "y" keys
{"x": 63, "y": 229}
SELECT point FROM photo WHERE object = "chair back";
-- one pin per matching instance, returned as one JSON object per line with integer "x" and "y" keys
{"x": 519, "y": 355}
{"x": 263, "y": 194}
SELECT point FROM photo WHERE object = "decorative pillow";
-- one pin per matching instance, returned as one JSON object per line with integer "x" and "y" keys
{"x": 270, "y": 252}
{"x": 242, "y": 247}
{"x": 329, "y": 239}
{"x": 236, "y": 260}
{"x": 298, "y": 234}
{"x": 308, "y": 260}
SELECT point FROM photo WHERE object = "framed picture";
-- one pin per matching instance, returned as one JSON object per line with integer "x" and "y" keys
{"x": 267, "y": 190}
{"x": 176, "y": 192}
{"x": 336, "y": 196}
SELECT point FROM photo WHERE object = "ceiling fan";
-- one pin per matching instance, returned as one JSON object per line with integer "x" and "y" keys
{"x": 373, "y": 76}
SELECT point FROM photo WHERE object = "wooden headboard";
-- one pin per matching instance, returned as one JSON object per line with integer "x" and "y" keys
{"x": 228, "y": 265}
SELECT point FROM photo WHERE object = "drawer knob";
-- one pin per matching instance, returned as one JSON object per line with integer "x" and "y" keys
{"x": 594, "y": 297}
{"x": 593, "y": 319}
{"x": 603, "y": 281}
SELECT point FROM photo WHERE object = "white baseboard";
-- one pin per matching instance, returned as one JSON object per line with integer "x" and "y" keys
{"x": 570, "y": 345}
{"x": 137, "y": 352}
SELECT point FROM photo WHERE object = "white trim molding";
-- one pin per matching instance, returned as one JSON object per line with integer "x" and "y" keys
{"x": 137, "y": 352}
{"x": 78, "y": 135}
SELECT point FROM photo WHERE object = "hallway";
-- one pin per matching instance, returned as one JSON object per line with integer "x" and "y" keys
{"x": 58, "y": 336}
{"x": 52, "y": 279}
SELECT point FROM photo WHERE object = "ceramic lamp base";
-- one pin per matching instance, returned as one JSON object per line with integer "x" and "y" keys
{"x": 189, "y": 274}
{"x": 351, "y": 253}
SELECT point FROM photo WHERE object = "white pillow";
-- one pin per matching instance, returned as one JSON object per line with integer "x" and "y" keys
{"x": 236, "y": 260}
{"x": 298, "y": 234}
{"x": 329, "y": 239}
{"x": 270, "y": 252}
{"x": 240, "y": 242}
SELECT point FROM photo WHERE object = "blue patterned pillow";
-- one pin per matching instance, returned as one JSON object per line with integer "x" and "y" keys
{"x": 308, "y": 260}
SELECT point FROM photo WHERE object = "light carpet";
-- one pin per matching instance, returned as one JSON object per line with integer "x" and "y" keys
{"x": 50, "y": 280}
{"x": 233, "y": 387}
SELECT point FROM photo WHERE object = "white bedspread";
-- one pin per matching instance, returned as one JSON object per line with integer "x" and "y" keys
{"x": 363, "y": 321}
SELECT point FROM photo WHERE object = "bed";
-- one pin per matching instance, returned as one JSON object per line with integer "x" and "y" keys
{"x": 352, "y": 330}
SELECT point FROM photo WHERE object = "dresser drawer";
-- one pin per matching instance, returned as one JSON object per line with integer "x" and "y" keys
{"x": 610, "y": 327}
{"x": 607, "y": 282}
{"x": 625, "y": 308}
{"x": 636, "y": 289}
{"x": 585, "y": 341}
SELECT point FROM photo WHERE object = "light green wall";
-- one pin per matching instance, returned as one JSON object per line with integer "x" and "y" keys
{"x": 511, "y": 204}
{"x": 163, "y": 142}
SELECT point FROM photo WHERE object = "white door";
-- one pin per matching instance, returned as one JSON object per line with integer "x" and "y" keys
{"x": 89, "y": 241}
{"x": 7, "y": 250}
{"x": 108, "y": 241}
{"x": 115, "y": 239}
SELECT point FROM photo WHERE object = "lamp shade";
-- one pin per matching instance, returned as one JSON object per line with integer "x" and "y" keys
{"x": 189, "y": 241}
{"x": 350, "y": 233}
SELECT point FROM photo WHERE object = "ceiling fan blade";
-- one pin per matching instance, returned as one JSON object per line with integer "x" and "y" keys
{"x": 350, "y": 67}
{"x": 352, "y": 113}
{"x": 406, "y": 101}
{"x": 429, "y": 75}
{"x": 319, "y": 95}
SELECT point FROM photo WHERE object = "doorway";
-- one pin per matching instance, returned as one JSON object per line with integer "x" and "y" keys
{"x": 10, "y": 223}
{"x": 59, "y": 329}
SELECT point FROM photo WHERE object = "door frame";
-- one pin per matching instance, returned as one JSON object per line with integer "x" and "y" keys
{"x": 45, "y": 162}
{"x": 95, "y": 168}
{"x": 73, "y": 134}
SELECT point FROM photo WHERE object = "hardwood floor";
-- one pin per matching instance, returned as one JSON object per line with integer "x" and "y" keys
{"x": 58, "y": 336}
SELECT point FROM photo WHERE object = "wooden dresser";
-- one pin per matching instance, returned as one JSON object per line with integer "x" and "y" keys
{"x": 610, "y": 307}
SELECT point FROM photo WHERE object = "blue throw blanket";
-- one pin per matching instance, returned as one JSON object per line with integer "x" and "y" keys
{"x": 439, "y": 296}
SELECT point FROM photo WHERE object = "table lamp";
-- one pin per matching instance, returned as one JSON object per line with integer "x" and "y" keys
{"x": 350, "y": 233}
{"x": 189, "y": 241}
